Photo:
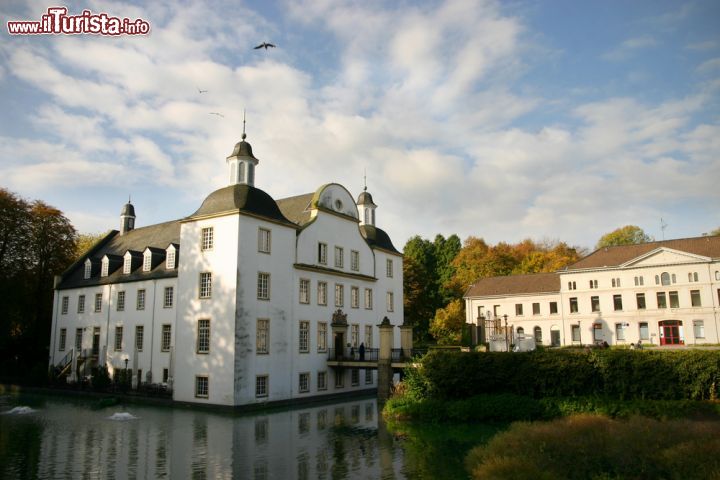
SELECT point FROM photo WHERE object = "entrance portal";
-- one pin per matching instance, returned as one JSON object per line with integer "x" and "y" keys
{"x": 671, "y": 332}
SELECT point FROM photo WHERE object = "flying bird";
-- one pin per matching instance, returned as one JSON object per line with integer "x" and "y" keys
{"x": 218, "y": 114}
{"x": 201, "y": 91}
{"x": 264, "y": 45}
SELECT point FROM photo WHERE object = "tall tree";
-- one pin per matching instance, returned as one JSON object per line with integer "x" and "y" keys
{"x": 627, "y": 235}
{"x": 85, "y": 241}
{"x": 36, "y": 242}
{"x": 426, "y": 265}
{"x": 447, "y": 326}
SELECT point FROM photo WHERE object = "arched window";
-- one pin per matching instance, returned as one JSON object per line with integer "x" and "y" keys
{"x": 674, "y": 279}
{"x": 689, "y": 276}
{"x": 520, "y": 331}
{"x": 538, "y": 335}
{"x": 657, "y": 280}
{"x": 665, "y": 278}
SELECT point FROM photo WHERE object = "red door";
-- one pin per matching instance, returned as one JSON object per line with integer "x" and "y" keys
{"x": 670, "y": 332}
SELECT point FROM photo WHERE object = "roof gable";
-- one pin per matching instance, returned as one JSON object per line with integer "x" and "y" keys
{"x": 665, "y": 256}
{"x": 620, "y": 255}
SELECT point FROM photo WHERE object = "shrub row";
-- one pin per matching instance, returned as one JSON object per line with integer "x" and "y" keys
{"x": 504, "y": 408}
{"x": 620, "y": 374}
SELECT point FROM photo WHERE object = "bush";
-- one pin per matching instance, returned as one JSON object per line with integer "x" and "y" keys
{"x": 594, "y": 447}
{"x": 100, "y": 378}
{"x": 622, "y": 374}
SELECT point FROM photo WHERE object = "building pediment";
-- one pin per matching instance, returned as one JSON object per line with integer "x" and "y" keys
{"x": 664, "y": 256}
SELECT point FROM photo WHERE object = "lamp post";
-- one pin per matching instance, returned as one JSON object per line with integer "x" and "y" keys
{"x": 480, "y": 330}
{"x": 126, "y": 364}
{"x": 507, "y": 340}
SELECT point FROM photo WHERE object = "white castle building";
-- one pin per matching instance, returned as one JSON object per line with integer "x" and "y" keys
{"x": 235, "y": 304}
{"x": 661, "y": 293}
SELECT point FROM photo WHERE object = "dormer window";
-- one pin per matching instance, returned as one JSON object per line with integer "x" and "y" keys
{"x": 105, "y": 267}
{"x": 147, "y": 261}
{"x": 88, "y": 269}
{"x": 127, "y": 264}
{"x": 170, "y": 258}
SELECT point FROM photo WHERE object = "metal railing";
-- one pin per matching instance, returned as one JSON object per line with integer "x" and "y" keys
{"x": 350, "y": 354}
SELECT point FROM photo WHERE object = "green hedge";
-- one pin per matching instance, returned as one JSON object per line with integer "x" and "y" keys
{"x": 505, "y": 408}
{"x": 620, "y": 374}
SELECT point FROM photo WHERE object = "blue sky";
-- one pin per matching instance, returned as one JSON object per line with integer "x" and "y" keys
{"x": 504, "y": 120}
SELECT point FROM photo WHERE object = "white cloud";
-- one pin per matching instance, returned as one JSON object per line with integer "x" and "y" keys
{"x": 630, "y": 47}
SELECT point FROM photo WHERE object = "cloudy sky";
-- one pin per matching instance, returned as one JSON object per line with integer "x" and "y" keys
{"x": 505, "y": 120}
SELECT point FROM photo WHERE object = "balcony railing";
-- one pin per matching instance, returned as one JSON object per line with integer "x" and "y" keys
{"x": 350, "y": 354}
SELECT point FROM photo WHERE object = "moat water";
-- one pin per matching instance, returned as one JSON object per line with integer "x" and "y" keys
{"x": 61, "y": 437}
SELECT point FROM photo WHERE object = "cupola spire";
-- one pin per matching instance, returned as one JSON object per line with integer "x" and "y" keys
{"x": 366, "y": 206}
{"x": 241, "y": 162}
{"x": 127, "y": 217}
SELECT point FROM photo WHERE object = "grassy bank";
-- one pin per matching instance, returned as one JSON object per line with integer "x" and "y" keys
{"x": 596, "y": 447}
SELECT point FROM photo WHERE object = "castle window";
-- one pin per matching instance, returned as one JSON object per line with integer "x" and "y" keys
{"x": 390, "y": 301}
{"x": 121, "y": 301}
{"x": 98, "y": 302}
{"x": 322, "y": 253}
{"x": 640, "y": 298}
{"x": 147, "y": 261}
{"x": 166, "y": 338}
{"x": 665, "y": 278}
{"x": 617, "y": 302}
{"x": 322, "y": 293}
{"x": 105, "y": 267}
{"x": 354, "y": 260}
{"x": 81, "y": 304}
{"x": 339, "y": 295}
{"x": 354, "y": 297}
{"x": 140, "y": 303}
{"x": 304, "y": 337}
{"x": 368, "y": 299}
{"x": 322, "y": 337}
{"x": 388, "y": 267}
{"x": 168, "y": 297}
{"x": 202, "y": 386}
{"x": 263, "y": 286}
{"x": 88, "y": 269}
{"x": 595, "y": 304}
{"x": 518, "y": 309}
{"x": 139, "y": 337}
{"x": 593, "y": 284}
{"x": 63, "y": 339}
{"x": 207, "y": 239}
{"x": 65, "y": 305}
{"x": 203, "y": 336}
{"x": 205, "y": 285}
{"x": 261, "y": 386}
{"x": 127, "y": 264}
{"x": 264, "y": 240}
{"x": 118, "y": 338}
{"x": 339, "y": 257}
{"x": 674, "y": 300}
{"x": 262, "y": 335}
{"x": 304, "y": 290}
{"x": 322, "y": 380}
{"x": 304, "y": 382}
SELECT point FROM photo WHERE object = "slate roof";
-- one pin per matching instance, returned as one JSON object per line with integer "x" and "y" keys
{"x": 515, "y": 285}
{"x": 376, "y": 237}
{"x": 241, "y": 198}
{"x": 297, "y": 208}
{"x": 615, "y": 256}
{"x": 158, "y": 236}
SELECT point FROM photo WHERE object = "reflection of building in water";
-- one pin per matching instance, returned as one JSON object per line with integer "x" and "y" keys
{"x": 308, "y": 443}
{"x": 234, "y": 304}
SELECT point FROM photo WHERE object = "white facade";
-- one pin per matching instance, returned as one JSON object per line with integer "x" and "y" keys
{"x": 253, "y": 289}
{"x": 661, "y": 293}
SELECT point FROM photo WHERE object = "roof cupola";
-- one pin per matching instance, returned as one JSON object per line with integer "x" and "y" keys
{"x": 241, "y": 162}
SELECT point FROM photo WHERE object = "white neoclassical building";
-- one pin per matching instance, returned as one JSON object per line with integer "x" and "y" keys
{"x": 662, "y": 293}
{"x": 234, "y": 304}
